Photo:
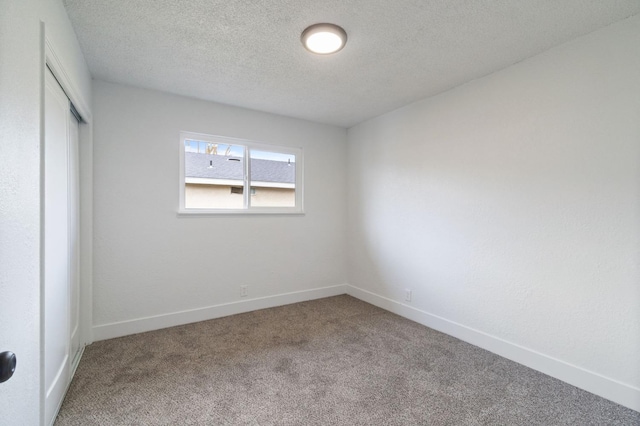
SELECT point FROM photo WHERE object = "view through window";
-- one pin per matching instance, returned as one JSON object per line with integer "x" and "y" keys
{"x": 216, "y": 175}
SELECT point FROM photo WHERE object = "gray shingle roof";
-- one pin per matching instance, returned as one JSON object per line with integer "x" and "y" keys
{"x": 196, "y": 165}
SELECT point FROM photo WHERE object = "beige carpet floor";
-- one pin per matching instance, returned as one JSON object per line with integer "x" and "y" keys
{"x": 334, "y": 361}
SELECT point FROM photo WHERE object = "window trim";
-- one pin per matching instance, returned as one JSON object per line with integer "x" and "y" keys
{"x": 248, "y": 145}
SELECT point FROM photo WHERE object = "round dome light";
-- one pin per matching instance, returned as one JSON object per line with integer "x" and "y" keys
{"x": 324, "y": 39}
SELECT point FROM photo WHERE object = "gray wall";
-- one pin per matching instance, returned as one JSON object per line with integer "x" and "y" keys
{"x": 510, "y": 205}
{"x": 150, "y": 262}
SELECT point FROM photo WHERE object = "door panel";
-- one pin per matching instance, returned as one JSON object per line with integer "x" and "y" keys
{"x": 74, "y": 240}
{"x": 56, "y": 244}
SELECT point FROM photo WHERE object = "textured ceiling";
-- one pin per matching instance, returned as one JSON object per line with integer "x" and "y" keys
{"x": 248, "y": 53}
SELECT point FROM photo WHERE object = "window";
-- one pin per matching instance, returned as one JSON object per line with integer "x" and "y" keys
{"x": 240, "y": 190}
{"x": 215, "y": 172}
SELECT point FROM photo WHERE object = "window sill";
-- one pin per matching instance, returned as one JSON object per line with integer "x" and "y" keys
{"x": 239, "y": 212}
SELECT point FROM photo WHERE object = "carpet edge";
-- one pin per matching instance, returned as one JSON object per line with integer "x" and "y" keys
{"x": 608, "y": 388}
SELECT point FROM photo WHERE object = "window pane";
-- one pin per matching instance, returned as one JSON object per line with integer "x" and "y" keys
{"x": 190, "y": 145}
{"x": 273, "y": 179}
{"x": 212, "y": 171}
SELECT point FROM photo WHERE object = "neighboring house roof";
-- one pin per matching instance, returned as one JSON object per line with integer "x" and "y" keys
{"x": 196, "y": 165}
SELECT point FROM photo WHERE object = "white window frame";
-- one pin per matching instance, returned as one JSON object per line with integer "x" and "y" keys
{"x": 248, "y": 145}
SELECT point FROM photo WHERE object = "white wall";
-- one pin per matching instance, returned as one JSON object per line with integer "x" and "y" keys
{"x": 21, "y": 73}
{"x": 19, "y": 208}
{"x": 511, "y": 206}
{"x": 150, "y": 262}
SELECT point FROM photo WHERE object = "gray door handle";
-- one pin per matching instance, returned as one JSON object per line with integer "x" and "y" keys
{"x": 7, "y": 365}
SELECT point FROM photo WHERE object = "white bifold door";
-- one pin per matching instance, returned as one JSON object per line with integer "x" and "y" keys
{"x": 60, "y": 261}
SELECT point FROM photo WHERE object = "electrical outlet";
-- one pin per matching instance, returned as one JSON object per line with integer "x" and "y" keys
{"x": 407, "y": 295}
{"x": 244, "y": 291}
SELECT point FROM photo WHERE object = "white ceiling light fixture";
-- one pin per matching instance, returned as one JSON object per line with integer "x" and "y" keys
{"x": 324, "y": 39}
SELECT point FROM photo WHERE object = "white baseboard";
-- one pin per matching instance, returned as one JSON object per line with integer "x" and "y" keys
{"x": 141, "y": 325}
{"x": 621, "y": 393}
{"x": 608, "y": 388}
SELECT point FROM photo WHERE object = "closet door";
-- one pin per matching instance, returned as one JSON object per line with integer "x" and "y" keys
{"x": 56, "y": 247}
{"x": 74, "y": 240}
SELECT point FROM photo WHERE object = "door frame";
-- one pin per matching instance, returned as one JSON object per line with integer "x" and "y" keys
{"x": 85, "y": 158}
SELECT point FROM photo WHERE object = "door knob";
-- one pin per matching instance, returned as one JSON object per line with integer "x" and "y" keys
{"x": 7, "y": 365}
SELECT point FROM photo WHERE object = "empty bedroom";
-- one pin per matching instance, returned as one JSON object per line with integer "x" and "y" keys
{"x": 320, "y": 212}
